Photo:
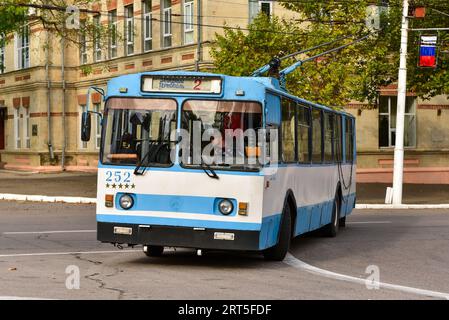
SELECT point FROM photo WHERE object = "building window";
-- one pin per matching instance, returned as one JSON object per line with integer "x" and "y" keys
{"x": 129, "y": 29}
{"x": 83, "y": 43}
{"x": 22, "y": 127}
{"x": 303, "y": 134}
{"x": 83, "y": 144}
{"x": 188, "y": 21}
{"x": 97, "y": 39}
{"x": 255, "y": 7}
{"x": 317, "y": 147}
{"x": 147, "y": 27}
{"x": 166, "y": 24}
{"x": 2, "y": 53}
{"x": 26, "y": 127}
{"x": 18, "y": 143}
{"x": 23, "y": 47}
{"x": 387, "y": 121}
{"x": 97, "y": 126}
{"x": 112, "y": 34}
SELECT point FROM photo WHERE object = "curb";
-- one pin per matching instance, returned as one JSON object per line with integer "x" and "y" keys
{"x": 38, "y": 198}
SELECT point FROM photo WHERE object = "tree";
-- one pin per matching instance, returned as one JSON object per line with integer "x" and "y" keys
{"x": 11, "y": 16}
{"x": 54, "y": 17}
{"x": 355, "y": 73}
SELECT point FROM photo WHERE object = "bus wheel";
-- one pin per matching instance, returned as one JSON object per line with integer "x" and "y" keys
{"x": 278, "y": 252}
{"x": 153, "y": 251}
{"x": 331, "y": 229}
{"x": 342, "y": 222}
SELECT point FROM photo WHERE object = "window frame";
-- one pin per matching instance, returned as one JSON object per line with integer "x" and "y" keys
{"x": 270, "y": 3}
{"x": 147, "y": 21}
{"x": 83, "y": 43}
{"x": 22, "y": 46}
{"x": 2, "y": 53}
{"x": 98, "y": 126}
{"x": 166, "y": 25}
{"x": 129, "y": 30}
{"x": 113, "y": 38}
{"x": 295, "y": 134}
{"x": 388, "y": 114}
{"x": 322, "y": 137}
{"x": 351, "y": 136}
{"x": 188, "y": 28}
{"x": 308, "y": 112}
{"x": 17, "y": 135}
{"x": 98, "y": 54}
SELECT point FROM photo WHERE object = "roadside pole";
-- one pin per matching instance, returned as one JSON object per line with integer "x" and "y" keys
{"x": 402, "y": 95}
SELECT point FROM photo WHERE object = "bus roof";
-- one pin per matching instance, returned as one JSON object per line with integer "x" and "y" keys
{"x": 258, "y": 85}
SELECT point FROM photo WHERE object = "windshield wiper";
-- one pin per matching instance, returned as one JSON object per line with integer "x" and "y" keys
{"x": 137, "y": 171}
{"x": 208, "y": 170}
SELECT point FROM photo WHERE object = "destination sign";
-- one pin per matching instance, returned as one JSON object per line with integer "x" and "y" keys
{"x": 181, "y": 84}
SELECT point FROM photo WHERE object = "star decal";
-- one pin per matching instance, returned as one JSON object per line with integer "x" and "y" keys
{"x": 120, "y": 186}
{"x": 107, "y": 185}
{"x": 133, "y": 186}
{"x": 126, "y": 186}
{"x": 113, "y": 186}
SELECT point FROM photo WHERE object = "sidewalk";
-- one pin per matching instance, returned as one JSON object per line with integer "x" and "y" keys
{"x": 75, "y": 184}
{"x": 69, "y": 184}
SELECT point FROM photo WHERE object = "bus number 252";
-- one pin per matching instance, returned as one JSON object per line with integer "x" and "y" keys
{"x": 118, "y": 176}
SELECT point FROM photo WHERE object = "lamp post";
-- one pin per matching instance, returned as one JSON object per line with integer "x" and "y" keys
{"x": 398, "y": 170}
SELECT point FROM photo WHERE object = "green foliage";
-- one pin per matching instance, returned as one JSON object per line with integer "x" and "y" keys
{"x": 11, "y": 16}
{"x": 53, "y": 17}
{"x": 355, "y": 73}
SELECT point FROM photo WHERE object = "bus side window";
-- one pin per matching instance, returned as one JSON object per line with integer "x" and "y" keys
{"x": 338, "y": 145}
{"x": 317, "y": 146}
{"x": 328, "y": 137}
{"x": 349, "y": 140}
{"x": 288, "y": 131}
{"x": 303, "y": 134}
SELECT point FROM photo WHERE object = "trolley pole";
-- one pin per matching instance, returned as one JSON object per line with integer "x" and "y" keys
{"x": 402, "y": 95}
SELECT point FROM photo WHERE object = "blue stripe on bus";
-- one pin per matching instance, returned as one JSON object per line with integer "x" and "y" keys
{"x": 175, "y": 203}
{"x": 230, "y": 225}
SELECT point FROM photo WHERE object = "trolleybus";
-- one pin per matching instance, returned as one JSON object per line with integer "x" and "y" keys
{"x": 210, "y": 161}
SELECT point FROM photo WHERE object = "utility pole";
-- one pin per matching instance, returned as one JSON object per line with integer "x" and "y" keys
{"x": 398, "y": 171}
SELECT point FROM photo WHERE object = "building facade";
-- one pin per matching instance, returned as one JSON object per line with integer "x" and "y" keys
{"x": 41, "y": 106}
{"x": 43, "y": 87}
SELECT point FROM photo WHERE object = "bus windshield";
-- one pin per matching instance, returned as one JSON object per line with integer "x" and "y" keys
{"x": 222, "y": 134}
{"x": 137, "y": 131}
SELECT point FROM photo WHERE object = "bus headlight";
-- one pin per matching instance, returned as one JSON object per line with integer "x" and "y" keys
{"x": 126, "y": 201}
{"x": 226, "y": 207}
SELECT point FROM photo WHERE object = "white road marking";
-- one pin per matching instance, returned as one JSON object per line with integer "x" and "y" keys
{"x": 64, "y": 253}
{"x": 49, "y": 232}
{"x": 21, "y": 298}
{"x": 296, "y": 263}
{"x": 368, "y": 222}
{"x": 402, "y": 206}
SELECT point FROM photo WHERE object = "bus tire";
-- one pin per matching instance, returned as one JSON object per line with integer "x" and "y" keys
{"x": 153, "y": 251}
{"x": 342, "y": 222}
{"x": 331, "y": 229}
{"x": 279, "y": 251}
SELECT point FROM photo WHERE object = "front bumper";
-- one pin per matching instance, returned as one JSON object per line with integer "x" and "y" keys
{"x": 178, "y": 237}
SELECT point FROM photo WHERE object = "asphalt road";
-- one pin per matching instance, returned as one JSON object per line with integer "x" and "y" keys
{"x": 408, "y": 248}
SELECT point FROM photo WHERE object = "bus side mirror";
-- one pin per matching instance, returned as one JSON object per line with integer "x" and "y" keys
{"x": 85, "y": 126}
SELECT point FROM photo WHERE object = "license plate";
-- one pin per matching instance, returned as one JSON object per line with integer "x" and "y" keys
{"x": 123, "y": 230}
{"x": 224, "y": 236}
